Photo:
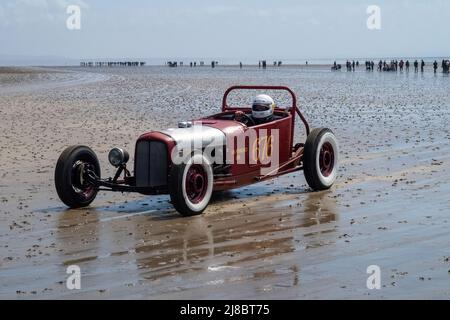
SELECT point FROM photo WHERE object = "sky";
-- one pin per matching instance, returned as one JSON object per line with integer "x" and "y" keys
{"x": 231, "y": 29}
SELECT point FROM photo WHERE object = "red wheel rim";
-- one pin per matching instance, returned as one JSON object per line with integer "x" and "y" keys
{"x": 326, "y": 159}
{"x": 88, "y": 192}
{"x": 79, "y": 185}
{"x": 196, "y": 183}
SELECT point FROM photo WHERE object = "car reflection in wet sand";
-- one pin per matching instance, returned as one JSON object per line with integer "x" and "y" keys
{"x": 162, "y": 253}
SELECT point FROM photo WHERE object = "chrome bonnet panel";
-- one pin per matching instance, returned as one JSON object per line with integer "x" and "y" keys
{"x": 198, "y": 136}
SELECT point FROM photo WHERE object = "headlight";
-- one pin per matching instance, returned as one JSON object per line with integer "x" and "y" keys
{"x": 118, "y": 157}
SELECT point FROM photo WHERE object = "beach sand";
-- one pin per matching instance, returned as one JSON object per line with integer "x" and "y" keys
{"x": 389, "y": 207}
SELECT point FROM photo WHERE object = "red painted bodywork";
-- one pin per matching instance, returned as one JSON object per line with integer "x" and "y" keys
{"x": 158, "y": 136}
{"x": 244, "y": 174}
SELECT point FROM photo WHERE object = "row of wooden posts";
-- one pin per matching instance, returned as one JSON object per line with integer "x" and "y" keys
{"x": 261, "y": 64}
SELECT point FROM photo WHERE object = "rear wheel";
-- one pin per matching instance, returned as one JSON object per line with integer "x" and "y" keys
{"x": 320, "y": 159}
{"x": 70, "y": 182}
{"x": 191, "y": 184}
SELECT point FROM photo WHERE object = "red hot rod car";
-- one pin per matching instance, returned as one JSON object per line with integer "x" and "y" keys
{"x": 209, "y": 154}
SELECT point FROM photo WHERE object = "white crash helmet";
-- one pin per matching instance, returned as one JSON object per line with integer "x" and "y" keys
{"x": 262, "y": 107}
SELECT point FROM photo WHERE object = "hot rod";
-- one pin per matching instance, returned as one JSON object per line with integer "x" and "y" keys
{"x": 213, "y": 153}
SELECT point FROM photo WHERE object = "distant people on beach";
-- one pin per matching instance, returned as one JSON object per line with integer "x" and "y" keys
{"x": 113, "y": 64}
{"x": 348, "y": 65}
{"x": 336, "y": 66}
{"x": 395, "y": 65}
{"x": 382, "y": 65}
{"x": 445, "y": 66}
{"x": 391, "y": 66}
{"x": 369, "y": 65}
{"x": 262, "y": 64}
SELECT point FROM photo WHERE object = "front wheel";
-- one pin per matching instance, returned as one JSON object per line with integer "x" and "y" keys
{"x": 320, "y": 159}
{"x": 191, "y": 185}
{"x": 70, "y": 182}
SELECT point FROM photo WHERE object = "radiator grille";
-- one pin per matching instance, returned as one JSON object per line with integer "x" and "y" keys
{"x": 151, "y": 164}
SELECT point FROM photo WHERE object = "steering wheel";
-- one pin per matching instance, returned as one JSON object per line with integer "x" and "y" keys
{"x": 246, "y": 119}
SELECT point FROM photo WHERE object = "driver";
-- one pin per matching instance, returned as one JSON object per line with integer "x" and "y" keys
{"x": 262, "y": 110}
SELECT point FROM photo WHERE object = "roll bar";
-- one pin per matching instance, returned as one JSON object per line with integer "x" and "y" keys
{"x": 294, "y": 109}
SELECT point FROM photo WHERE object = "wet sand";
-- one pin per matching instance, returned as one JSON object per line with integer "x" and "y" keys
{"x": 390, "y": 206}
